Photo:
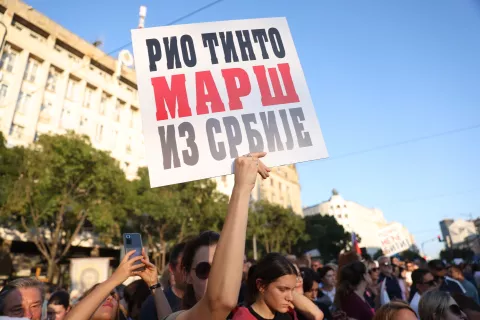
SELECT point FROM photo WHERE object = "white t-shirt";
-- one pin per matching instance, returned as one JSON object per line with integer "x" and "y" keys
{"x": 330, "y": 294}
{"x": 414, "y": 303}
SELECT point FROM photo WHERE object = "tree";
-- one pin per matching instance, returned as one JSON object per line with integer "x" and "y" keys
{"x": 276, "y": 227}
{"x": 410, "y": 255}
{"x": 63, "y": 183}
{"x": 10, "y": 158}
{"x": 170, "y": 214}
{"x": 326, "y": 235}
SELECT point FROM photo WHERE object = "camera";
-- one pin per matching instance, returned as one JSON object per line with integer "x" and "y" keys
{"x": 127, "y": 236}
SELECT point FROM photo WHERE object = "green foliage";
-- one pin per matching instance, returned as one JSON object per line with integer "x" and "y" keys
{"x": 9, "y": 168}
{"x": 326, "y": 235}
{"x": 63, "y": 182}
{"x": 170, "y": 214}
{"x": 450, "y": 254}
{"x": 276, "y": 228}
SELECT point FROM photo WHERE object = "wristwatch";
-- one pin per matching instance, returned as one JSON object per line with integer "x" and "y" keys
{"x": 156, "y": 286}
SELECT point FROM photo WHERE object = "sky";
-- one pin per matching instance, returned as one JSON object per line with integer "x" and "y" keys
{"x": 380, "y": 73}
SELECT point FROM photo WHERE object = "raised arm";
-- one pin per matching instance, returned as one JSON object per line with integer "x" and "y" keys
{"x": 85, "y": 309}
{"x": 306, "y": 307}
{"x": 226, "y": 274}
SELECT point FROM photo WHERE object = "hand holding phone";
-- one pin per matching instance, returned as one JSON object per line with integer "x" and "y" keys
{"x": 133, "y": 241}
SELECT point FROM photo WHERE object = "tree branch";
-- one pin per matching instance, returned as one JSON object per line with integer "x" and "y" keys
{"x": 40, "y": 246}
{"x": 74, "y": 234}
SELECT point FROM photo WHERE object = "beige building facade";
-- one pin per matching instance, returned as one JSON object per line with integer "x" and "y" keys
{"x": 364, "y": 221}
{"x": 282, "y": 188}
{"x": 52, "y": 81}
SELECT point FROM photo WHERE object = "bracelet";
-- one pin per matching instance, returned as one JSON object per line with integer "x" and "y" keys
{"x": 155, "y": 286}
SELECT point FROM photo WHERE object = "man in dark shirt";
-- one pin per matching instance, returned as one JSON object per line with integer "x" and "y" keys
{"x": 439, "y": 271}
{"x": 391, "y": 282}
{"x": 174, "y": 293}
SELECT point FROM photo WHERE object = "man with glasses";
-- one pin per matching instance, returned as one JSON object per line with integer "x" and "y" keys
{"x": 423, "y": 281}
{"x": 392, "y": 286}
{"x": 439, "y": 271}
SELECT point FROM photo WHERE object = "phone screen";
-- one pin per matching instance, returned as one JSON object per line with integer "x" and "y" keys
{"x": 133, "y": 241}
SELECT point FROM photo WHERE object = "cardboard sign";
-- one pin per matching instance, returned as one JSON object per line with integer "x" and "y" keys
{"x": 86, "y": 272}
{"x": 211, "y": 92}
{"x": 394, "y": 239}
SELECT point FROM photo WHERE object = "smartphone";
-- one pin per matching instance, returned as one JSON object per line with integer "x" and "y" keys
{"x": 133, "y": 241}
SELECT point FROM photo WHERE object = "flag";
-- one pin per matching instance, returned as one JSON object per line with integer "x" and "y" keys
{"x": 355, "y": 246}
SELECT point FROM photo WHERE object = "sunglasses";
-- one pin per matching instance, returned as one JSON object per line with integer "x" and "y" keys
{"x": 202, "y": 270}
{"x": 373, "y": 270}
{"x": 455, "y": 309}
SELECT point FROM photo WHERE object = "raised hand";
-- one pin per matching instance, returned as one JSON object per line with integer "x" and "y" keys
{"x": 126, "y": 268}
{"x": 150, "y": 273}
{"x": 247, "y": 167}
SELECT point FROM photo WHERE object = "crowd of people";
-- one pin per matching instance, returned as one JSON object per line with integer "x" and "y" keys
{"x": 209, "y": 277}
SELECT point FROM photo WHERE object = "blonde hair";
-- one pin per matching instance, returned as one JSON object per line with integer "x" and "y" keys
{"x": 433, "y": 304}
{"x": 389, "y": 310}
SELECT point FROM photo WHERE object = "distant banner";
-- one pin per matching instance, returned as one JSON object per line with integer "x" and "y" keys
{"x": 394, "y": 239}
{"x": 211, "y": 92}
{"x": 86, "y": 272}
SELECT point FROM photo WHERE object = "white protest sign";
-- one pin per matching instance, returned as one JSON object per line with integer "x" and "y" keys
{"x": 394, "y": 239}
{"x": 211, "y": 92}
{"x": 87, "y": 272}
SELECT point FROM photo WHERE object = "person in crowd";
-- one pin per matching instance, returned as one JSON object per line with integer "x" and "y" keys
{"x": 224, "y": 273}
{"x": 468, "y": 306}
{"x": 135, "y": 295}
{"x": 439, "y": 305}
{"x": 372, "y": 292}
{"x": 391, "y": 283}
{"x": 439, "y": 271}
{"x": 468, "y": 272}
{"x": 395, "y": 310}
{"x": 174, "y": 293}
{"x": 271, "y": 292}
{"x": 101, "y": 301}
{"x": 352, "y": 282}
{"x": 311, "y": 291}
{"x": 347, "y": 257}
{"x": 316, "y": 264}
{"x": 476, "y": 274}
{"x": 410, "y": 267}
{"x": 328, "y": 279}
{"x": 22, "y": 298}
{"x": 58, "y": 305}
{"x": 422, "y": 281}
{"x": 398, "y": 272}
{"x": 456, "y": 273}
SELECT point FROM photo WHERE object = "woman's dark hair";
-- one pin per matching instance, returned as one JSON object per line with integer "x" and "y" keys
{"x": 60, "y": 298}
{"x": 135, "y": 295}
{"x": 267, "y": 270}
{"x": 323, "y": 272}
{"x": 205, "y": 239}
{"x": 350, "y": 276}
{"x": 308, "y": 276}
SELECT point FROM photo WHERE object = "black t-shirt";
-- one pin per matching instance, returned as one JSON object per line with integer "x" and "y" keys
{"x": 278, "y": 316}
{"x": 149, "y": 310}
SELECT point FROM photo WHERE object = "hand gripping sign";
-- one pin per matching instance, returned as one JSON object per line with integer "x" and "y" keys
{"x": 210, "y": 92}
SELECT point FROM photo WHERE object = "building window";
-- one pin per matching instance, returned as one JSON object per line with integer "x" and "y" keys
{"x": 72, "y": 89}
{"x": 52, "y": 79}
{"x": 338, "y": 206}
{"x": 103, "y": 103}
{"x": 115, "y": 138}
{"x": 31, "y": 70}
{"x": 118, "y": 110}
{"x": 45, "y": 110}
{"x": 129, "y": 146}
{"x": 3, "y": 92}
{"x": 8, "y": 59}
{"x": 16, "y": 131}
{"x": 23, "y": 102}
{"x": 88, "y": 100}
{"x": 99, "y": 133}
{"x": 346, "y": 215}
{"x": 65, "y": 117}
{"x": 133, "y": 117}
{"x": 83, "y": 121}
